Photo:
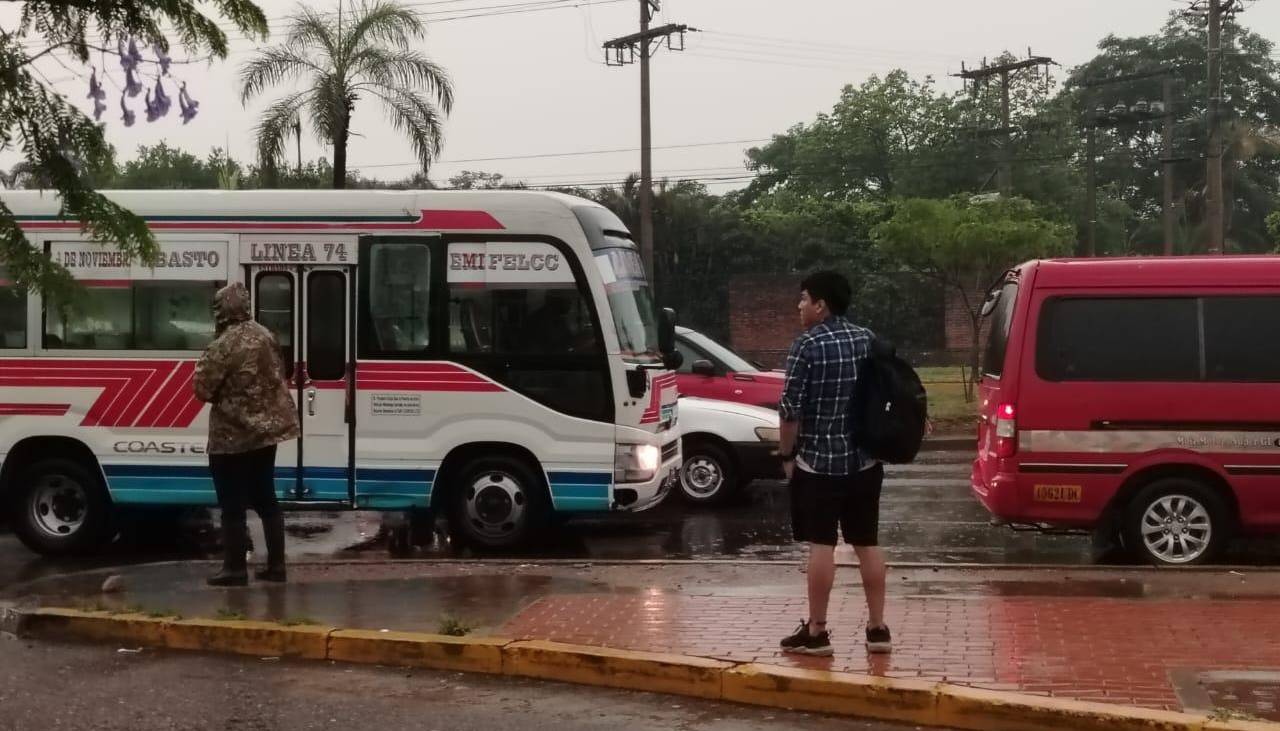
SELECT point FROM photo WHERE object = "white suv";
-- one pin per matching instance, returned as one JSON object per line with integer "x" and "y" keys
{"x": 726, "y": 445}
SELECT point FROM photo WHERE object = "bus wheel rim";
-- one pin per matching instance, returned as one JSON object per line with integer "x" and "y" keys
{"x": 58, "y": 505}
{"x": 1176, "y": 529}
{"x": 496, "y": 504}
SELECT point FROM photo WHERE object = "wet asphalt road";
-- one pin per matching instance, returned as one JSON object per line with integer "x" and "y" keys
{"x": 76, "y": 687}
{"x": 927, "y": 516}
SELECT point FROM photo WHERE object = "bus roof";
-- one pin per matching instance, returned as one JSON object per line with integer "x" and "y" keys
{"x": 441, "y": 210}
{"x": 1152, "y": 271}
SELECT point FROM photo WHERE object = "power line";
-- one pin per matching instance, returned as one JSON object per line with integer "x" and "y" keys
{"x": 578, "y": 153}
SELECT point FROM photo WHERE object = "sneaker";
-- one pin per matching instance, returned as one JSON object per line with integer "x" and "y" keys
{"x": 802, "y": 642}
{"x": 879, "y": 640}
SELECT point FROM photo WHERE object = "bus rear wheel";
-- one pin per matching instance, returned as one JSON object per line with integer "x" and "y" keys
{"x": 498, "y": 504}
{"x": 60, "y": 508}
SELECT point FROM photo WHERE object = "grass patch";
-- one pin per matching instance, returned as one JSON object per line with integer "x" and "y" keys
{"x": 231, "y": 614}
{"x": 1228, "y": 715}
{"x": 453, "y": 627}
{"x": 299, "y": 621}
{"x": 162, "y": 614}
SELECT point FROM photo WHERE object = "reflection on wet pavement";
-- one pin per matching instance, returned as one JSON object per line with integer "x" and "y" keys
{"x": 927, "y": 516}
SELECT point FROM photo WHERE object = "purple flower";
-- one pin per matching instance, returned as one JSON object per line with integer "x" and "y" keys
{"x": 131, "y": 85}
{"x": 98, "y": 108}
{"x": 153, "y": 110}
{"x": 95, "y": 88}
{"x": 128, "y": 115}
{"x": 163, "y": 102}
{"x": 135, "y": 58}
{"x": 126, "y": 61}
{"x": 163, "y": 59}
{"x": 187, "y": 104}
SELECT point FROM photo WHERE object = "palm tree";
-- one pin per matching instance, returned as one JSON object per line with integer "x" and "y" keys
{"x": 338, "y": 60}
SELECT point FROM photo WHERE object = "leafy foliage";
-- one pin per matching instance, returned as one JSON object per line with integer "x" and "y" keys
{"x": 62, "y": 148}
{"x": 333, "y": 63}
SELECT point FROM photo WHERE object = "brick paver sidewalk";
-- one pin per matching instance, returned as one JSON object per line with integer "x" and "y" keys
{"x": 1103, "y": 649}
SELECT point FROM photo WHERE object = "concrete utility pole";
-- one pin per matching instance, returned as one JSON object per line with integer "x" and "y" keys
{"x": 1123, "y": 114}
{"x": 1167, "y": 212}
{"x": 1004, "y": 71}
{"x": 620, "y": 52}
{"x": 1215, "y": 218}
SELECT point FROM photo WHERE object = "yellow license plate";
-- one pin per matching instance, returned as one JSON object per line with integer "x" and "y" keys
{"x": 1058, "y": 493}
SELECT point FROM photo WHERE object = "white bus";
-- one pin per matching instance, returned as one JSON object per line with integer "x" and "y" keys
{"x": 491, "y": 356}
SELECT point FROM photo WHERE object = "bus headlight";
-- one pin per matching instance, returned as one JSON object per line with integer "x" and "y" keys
{"x": 768, "y": 434}
{"x": 635, "y": 462}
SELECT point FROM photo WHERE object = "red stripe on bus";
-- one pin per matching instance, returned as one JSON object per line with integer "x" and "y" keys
{"x": 145, "y": 394}
{"x": 178, "y": 393}
{"x": 34, "y": 409}
{"x": 188, "y": 415}
{"x": 433, "y": 220}
{"x": 454, "y": 387}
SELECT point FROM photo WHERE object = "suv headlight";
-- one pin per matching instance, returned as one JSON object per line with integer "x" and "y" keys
{"x": 635, "y": 462}
{"x": 768, "y": 433}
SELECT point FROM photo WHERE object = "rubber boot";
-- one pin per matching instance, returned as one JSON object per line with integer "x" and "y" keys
{"x": 273, "y": 530}
{"x": 235, "y": 540}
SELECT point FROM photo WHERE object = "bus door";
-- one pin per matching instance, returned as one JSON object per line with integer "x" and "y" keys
{"x": 308, "y": 308}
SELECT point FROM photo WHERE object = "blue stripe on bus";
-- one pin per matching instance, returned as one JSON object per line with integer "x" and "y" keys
{"x": 581, "y": 478}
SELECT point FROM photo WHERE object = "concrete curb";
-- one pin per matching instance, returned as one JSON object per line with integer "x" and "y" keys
{"x": 846, "y": 694}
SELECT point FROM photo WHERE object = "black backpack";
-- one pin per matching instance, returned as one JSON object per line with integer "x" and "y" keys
{"x": 890, "y": 406}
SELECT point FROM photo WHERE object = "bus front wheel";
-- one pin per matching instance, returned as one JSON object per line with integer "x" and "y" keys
{"x": 499, "y": 503}
{"x": 60, "y": 508}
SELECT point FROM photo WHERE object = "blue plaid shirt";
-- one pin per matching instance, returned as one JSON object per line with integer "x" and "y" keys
{"x": 822, "y": 372}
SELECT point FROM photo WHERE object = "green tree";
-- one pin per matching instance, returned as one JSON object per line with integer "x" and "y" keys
{"x": 332, "y": 62}
{"x": 160, "y": 166}
{"x": 1273, "y": 228}
{"x": 58, "y": 142}
{"x": 964, "y": 244}
{"x": 1129, "y": 155}
{"x": 479, "y": 180}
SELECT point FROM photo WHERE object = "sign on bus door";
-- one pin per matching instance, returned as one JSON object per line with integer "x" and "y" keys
{"x": 308, "y": 309}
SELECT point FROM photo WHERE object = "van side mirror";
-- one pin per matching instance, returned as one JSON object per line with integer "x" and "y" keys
{"x": 704, "y": 368}
{"x": 671, "y": 358}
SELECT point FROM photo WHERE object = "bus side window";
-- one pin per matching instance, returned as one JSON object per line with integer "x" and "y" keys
{"x": 274, "y": 311}
{"x": 13, "y": 314}
{"x": 397, "y": 303}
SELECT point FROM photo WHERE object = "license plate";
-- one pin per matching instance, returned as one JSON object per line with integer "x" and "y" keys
{"x": 1058, "y": 493}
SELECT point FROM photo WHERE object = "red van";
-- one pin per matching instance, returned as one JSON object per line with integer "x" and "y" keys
{"x": 712, "y": 371}
{"x": 1139, "y": 398}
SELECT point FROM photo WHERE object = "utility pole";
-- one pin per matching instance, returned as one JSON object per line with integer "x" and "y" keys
{"x": 297, "y": 136}
{"x": 979, "y": 77}
{"x": 1124, "y": 114}
{"x": 620, "y": 52}
{"x": 1213, "y": 175}
{"x": 1166, "y": 210}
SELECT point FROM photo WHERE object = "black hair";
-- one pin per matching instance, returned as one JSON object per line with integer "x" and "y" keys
{"x": 830, "y": 287}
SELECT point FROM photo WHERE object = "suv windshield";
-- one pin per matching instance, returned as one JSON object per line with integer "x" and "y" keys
{"x": 733, "y": 362}
{"x": 631, "y": 304}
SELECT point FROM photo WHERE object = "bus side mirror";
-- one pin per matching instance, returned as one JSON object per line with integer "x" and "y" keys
{"x": 671, "y": 358}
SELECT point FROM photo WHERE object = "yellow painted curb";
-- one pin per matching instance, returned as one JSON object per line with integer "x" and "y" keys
{"x": 645, "y": 671}
{"x": 989, "y": 710}
{"x": 419, "y": 650}
{"x": 926, "y": 704}
{"x": 126, "y": 629}
{"x": 265, "y": 639}
{"x": 821, "y": 691}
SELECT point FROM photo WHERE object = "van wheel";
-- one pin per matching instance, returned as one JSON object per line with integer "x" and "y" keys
{"x": 60, "y": 508}
{"x": 708, "y": 475}
{"x": 499, "y": 503}
{"x": 1176, "y": 522}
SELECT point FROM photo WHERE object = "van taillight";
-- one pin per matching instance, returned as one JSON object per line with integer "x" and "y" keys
{"x": 1006, "y": 442}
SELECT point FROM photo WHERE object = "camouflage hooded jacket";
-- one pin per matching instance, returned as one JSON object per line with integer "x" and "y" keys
{"x": 241, "y": 375}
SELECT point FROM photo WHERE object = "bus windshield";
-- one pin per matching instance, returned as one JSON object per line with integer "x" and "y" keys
{"x": 631, "y": 303}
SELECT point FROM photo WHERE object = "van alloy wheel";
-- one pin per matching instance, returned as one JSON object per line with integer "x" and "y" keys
{"x": 1176, "y": 529}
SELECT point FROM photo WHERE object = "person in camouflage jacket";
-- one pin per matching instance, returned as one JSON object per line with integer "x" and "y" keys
{"x": 241, "y": 375}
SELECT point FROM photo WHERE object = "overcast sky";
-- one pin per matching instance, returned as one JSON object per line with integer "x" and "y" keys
{"x": 534, "y": 83}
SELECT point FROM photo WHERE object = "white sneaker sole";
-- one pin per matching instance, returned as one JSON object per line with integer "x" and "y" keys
{"x": 818, "y": 652}
{"x": 879, "y": 648}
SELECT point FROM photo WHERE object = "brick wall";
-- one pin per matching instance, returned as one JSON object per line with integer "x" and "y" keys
{"x": 959, "y": 329}
{"x": 763, "y": 319}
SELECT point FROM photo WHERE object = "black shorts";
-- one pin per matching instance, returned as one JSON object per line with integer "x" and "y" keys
{"x": 820, "y": 503}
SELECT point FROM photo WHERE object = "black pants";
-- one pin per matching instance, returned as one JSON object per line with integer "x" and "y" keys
{"x": 243, "y": 481}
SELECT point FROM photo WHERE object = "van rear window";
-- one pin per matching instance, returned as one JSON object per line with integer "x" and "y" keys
{"x": 1242, "y": 338}
{"x": 998, "y": 337}
{"x": 1119, "y": 339}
